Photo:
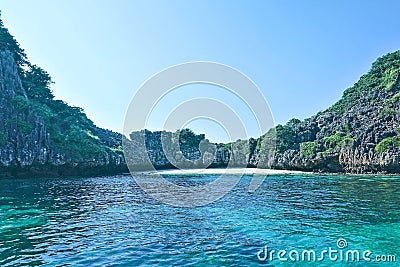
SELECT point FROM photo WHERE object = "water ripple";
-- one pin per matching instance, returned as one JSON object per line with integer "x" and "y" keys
{"x": 110, "y": 221}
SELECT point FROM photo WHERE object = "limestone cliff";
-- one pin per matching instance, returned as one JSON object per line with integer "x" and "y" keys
{"x": 41, "y": 136}
{"x": 28, "y": 146}
{"x": 358, "y": 134}
{"x": 183, "y": 149}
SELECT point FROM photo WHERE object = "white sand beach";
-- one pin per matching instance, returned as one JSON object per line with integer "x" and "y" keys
{"x": 242, "y": 171}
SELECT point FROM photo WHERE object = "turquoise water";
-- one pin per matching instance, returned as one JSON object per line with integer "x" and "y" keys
{"x": 110, "y": 221}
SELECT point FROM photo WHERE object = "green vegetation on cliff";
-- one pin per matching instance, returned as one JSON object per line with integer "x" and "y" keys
{"x": 387, "y": 143}
{"x": 383, "y": 76}
{"x": 351, "y": 135}
{"x": 71, "y": 132}
{"x": 285, "y": 138}
{"x": 8, "y": 42}
{"x": 308, "y": 149}
{"x": 359, "y": 133}
{"x": 187, "y": 138}
{"x": 338, "y": 139}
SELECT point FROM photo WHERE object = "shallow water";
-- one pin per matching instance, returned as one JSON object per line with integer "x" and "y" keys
{"x": 110, "y": 221}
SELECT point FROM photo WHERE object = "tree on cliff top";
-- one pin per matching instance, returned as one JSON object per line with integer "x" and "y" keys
{"x": 8, "y": 42}
{"x": 71, "y": 132}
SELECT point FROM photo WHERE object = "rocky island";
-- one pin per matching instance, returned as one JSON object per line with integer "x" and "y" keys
{"x": 42, "y": 136}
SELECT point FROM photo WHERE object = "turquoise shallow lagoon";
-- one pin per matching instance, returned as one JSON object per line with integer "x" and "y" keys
{"x": 110, "y": 221}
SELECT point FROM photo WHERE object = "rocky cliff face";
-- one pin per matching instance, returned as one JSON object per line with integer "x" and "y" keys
{"x": 26, "y": 144}
{"x": 41, "y": 136}
{"x": 184, "y": 149}
{"x": 358, "y": 134}
{"x": 24, "y": 139}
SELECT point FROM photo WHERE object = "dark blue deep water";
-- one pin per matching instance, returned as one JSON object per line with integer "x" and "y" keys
{"x": 110, "y": 221}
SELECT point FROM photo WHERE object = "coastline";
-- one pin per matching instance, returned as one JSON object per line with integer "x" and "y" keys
{"x": 242, "y": 171}
{"x": 255, "y": 171}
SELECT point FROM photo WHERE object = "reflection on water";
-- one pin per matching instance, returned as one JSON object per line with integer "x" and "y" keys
{"x": 99, "y": 221}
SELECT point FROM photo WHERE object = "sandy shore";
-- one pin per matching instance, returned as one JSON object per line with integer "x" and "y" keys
{"x": 225, "y": 171}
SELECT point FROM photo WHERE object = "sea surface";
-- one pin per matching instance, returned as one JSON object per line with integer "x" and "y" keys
{"x": 110, "y": 221}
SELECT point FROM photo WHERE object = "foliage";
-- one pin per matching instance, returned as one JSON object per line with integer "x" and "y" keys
{"x": 388, "y": 111}
{"x": 77, "y": 144}
{"x": 383, "y": 75}
{"x": 338, "y": 139}
{"x": 278, "y": 139}
{"x": 372, "y": 101}
{"x": 334, "y": 139}
{"x": 8, "y": 43}
{"x": 386, "y": 143}
{"x": 226, "y": 147}
{"x": 20, "y": 102}
{"x": 24, "y": 126}
{"x": 326, "y": 152}
{"x": 267, "y": 141}
{"x": 44, "y": 111}
{"x": 346, "y": 141}
{"x": 89, "y": 133}
{"x": 346, "y": 129}
{"x": 253, "y": 145}
{"x": 308, "y": 149}
{"x": 387, "y": 69}
{"x": 293, "y": 122}
{"x": 394, "y": 98}
{"x": 241, "y": 145}
{"x": 70, "y": 130}
{"x": 187, "y": 138}
{"x": 390, "y": 77}
{"x": 285, "y": 138}
{"x": 36, "y": 83}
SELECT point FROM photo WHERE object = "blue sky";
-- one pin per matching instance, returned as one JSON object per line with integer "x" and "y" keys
{"x": 301, "y": 54}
